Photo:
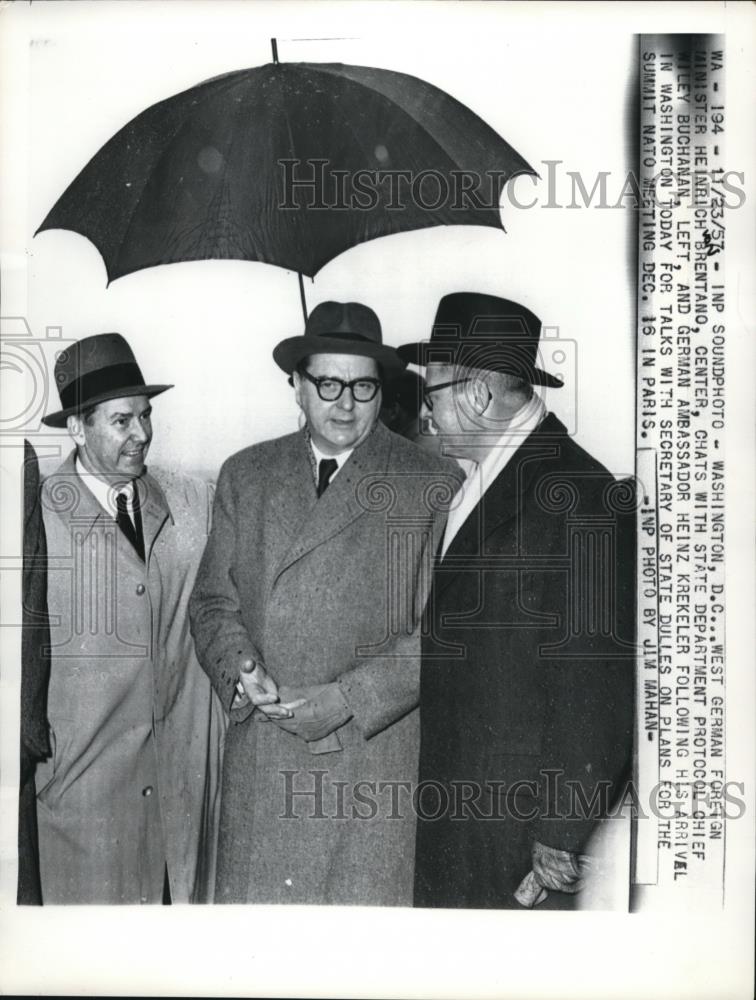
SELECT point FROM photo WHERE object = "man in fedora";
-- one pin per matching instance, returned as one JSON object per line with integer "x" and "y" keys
{"x": 126, "y": 801}
{"x": 303, "y": 616}
{"x": 527, "y": 665}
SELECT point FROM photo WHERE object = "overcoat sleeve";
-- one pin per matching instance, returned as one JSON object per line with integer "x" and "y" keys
{"x": 221, "y": 638}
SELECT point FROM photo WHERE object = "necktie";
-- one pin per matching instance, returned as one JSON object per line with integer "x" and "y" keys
{"x": 131, "y": 529}
{"x": 326, "y": 469}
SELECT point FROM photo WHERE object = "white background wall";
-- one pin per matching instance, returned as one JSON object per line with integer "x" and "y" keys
{"x": 210, "y": 327}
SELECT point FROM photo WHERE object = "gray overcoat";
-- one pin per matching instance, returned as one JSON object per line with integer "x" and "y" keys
{"x": 320, "y": 590}
{"x": 136, "y": 730}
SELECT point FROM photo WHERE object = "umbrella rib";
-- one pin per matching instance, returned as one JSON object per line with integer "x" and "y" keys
{"x": 442, "y": 152}
{"x": 433, "y": 92}
{"x": 182, "y": 124}
{"x": 221, "y": 200}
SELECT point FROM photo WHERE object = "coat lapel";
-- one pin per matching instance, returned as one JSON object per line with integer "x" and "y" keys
{"x": 155, "y": 512}
{"x": 501, "y": 502}
{"x": 68, "y": 495}
{"x": 68, "y": 491}
{"x": 344, "y": 500}
{"x": 292, "y": 487}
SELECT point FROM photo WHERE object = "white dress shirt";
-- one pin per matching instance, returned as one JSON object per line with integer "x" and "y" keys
{"x": 105, "y": 493}
{"x": 480, "y": 475}
{"x": 339, "y": 459}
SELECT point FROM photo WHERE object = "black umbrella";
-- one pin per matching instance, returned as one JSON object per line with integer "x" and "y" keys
{"x": 290, "y": 164}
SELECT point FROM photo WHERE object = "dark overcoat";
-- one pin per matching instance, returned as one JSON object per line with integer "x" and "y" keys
{"x": 136, "y": 730}
{"x": 320, "y": 590}
{"x": 35, "y": 676}
{"x": 527, "y": 673}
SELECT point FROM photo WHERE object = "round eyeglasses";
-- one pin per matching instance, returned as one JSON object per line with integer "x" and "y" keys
{"x": 428, "y": 389}
{"x": 329, "y": 389}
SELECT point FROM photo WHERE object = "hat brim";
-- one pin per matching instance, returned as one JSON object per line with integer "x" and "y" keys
{"x": 418, "y": 353}
{"x": 291, "y": 351}
{"x": 59, "y": 418}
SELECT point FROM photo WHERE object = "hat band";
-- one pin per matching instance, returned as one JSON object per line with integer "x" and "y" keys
{"x": 482, "y": 354}
{"x": 93, "y": 384}
{"x": 349, "y": 336}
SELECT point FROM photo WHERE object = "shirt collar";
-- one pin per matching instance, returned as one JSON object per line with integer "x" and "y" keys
{"x": 105, "y": 493}
{"x": 519, "y": 426}
{"x": 319, "y": 455}
{"x": 479, "y": 476}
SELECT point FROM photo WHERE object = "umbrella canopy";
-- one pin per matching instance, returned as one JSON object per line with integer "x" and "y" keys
{"x": 290, "y": 164}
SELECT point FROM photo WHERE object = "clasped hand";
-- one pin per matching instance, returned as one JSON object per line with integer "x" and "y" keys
{"x": 311, "y": 713}
{"x": 560, "y": 871}
{"x": 314, "y": 711}
{"x": 262, "y": 691}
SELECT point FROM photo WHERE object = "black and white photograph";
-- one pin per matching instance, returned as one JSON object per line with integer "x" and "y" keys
{"x": 376, "y": 444}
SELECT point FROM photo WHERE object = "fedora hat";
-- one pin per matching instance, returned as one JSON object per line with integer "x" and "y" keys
{"x": 483, "y": 331}
{"x": 338, "y": 328}
{"x": 94, "y": 370}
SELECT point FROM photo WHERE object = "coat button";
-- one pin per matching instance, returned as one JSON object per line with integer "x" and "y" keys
{"x": 147, "y": 791}
{"x": 140, "y": 589}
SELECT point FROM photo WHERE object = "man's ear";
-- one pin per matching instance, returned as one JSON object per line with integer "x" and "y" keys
{"x": 75, "y": 425}
{"x": 296, "y": 381}
{"x": 481, "y": 394}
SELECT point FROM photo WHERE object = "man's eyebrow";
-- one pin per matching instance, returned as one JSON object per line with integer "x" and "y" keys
{"x": 130, "y": 413}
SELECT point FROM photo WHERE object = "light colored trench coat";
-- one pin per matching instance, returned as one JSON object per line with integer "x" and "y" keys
{"x": 137, "y": 733}
{"x": 320, "y": 590}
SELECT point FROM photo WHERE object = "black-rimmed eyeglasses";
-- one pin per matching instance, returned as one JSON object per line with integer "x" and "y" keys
{"x": 428, "y": 389}
{"x": 330, "y": 389}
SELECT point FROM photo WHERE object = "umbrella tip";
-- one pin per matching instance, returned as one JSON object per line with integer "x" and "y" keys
{"x": 274, "y": 47}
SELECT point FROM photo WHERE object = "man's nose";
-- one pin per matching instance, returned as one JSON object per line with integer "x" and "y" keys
{"x": 346, "y": 399}
{"x": 141, "y": 433}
